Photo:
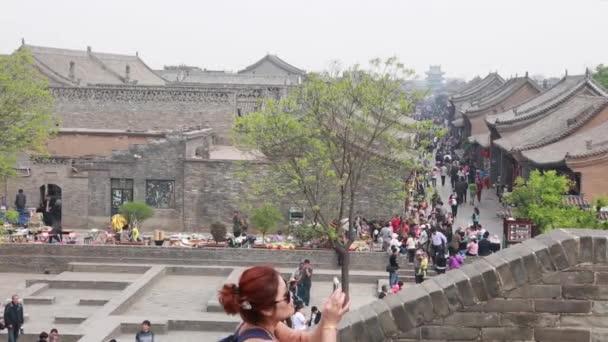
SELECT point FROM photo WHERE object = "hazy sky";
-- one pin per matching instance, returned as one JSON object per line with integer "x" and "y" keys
{"x": 467, "y": 37}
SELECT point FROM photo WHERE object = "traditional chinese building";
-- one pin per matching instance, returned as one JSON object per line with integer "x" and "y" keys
{"x": 459, "y": 102}
{"x": 510, "y": 94}
{"x": 127, "y": 133}
{"x": 434, "y": 78}
{"x": 541, "y": 133}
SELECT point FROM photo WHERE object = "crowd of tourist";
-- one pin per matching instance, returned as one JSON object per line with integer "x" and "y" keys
{"x": 426, "y": 236}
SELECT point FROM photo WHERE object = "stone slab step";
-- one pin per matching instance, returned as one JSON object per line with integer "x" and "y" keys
{"x": 81, "y": 285}
{"x": 41, "y": 300}
{"x": 92, "y": 302}
{"x": 69, "y": 319}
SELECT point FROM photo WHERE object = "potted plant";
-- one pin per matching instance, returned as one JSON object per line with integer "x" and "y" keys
{"x": 135, "y": 213}
{"x": 218, "y": 232}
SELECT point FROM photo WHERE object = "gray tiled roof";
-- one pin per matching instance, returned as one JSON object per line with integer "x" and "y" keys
{"x": 544, "y": 102}
{"x": 486, "y": 85}
{"x": 500, "y": 94}
{"x": 581, "y": 144}
{"x": 276, "y": 61}
{"x": 91, "y": 68}
{"x": 557, "y": 124}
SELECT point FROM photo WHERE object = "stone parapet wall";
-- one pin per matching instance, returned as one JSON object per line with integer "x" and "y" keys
{"x": 551, "y": 288}
{"x": 55, "y": 258}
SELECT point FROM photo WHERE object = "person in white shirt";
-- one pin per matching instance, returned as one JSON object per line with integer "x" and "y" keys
{"x": 298, "y": 319}
{"x": 444, "y": 173}
{"x": 395, "y": 242}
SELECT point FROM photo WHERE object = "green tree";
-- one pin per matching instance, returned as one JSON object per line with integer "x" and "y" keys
{"x": 333, "y": 139}
{"x": 601, "y": 75}
{"x": 136, "y": 212}
{"x": 540, "y": 199}
{"x": 26, "y": 109}
{"x": 265, "y": 218}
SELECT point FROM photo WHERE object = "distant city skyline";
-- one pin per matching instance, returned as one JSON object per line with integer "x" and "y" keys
{"x": 467, "y": 38}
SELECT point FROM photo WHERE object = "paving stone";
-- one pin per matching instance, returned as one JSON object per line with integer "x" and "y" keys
{"x": 449, "y": 333}
{"x": 585, "y": 292}
{"x": 506, "y": 334}
{"x": 536, "y": 291}
{"x": 570, "y": 277}
{"x": 473, "y": 319}
{"x": 584, "y": 321}
{"x": 562, "y": 306}
{"x": 529, "y": 319}
{"x": 509, "y": 305}
{"x": 561, "y": 335}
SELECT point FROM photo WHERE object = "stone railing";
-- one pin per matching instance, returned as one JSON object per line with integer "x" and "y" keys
{"x": 550, "y": 288}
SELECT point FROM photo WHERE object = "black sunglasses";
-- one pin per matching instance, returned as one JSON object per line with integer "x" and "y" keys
{"x": 287, "y": 296}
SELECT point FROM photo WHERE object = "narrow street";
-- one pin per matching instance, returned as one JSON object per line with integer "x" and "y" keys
{"x": 488, "y": 208}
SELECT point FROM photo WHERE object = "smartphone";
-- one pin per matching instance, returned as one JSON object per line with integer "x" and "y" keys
{"x": 336, "y": 283}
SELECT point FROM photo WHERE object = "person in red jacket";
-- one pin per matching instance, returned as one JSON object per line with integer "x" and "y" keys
{"x": 395, "y": 223}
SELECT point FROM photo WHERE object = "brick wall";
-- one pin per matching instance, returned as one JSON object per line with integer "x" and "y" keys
{"x": 551, "y": 288}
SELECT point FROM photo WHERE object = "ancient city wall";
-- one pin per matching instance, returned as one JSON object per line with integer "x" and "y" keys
{"x": 145, "y": 108}
{"x": 551, "y": 288}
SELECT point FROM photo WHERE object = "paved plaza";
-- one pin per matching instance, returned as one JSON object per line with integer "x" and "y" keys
{"x": 97, "y": 302}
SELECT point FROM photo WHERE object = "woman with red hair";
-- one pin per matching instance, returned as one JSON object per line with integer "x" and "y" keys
{"x": 263, "y": 300}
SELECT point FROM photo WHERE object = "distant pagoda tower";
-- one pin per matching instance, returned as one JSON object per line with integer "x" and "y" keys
{"x": 434, "y": 77}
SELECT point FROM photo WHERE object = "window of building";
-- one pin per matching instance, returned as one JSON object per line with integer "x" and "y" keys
{"x": 122, "y": 191}
{"x": 160, "y": 193}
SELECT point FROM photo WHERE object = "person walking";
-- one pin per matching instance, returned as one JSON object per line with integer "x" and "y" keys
{"x": 13, "y": 318}
{"x": 472, "y": 192}
{"x": 479, "y": 184}
{"x": 453, "y": 175}
{"x": 453, "y": 202}
{"x": 438, "y": 243}
{"x": 475, "y": 217}
{"x": 393, "y": 267}
{"x": 305, "y": 282}
{"x": 461, "y": 190}
{"x": 20, "y": 203}
{"x": 411, "y": 247}
{"x": 145, "y": 334}
{"x": 435, "y": 175}
{"x": 444, "y": 173}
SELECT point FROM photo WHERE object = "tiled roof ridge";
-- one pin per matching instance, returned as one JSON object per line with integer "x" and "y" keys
{"x": 105, "y": 68}
{"x": 569, "y": 93}
{"x": 53, "y": 74}
{"x": 562, "y": 80}
{"x": 498, "y": 96}
{"x": 43, "y": 49}
{"x": 586, "y": 115}
{"x": 491, "y": 77}
{"x": 275, "y": 60}
{"x": 586, "y": 154}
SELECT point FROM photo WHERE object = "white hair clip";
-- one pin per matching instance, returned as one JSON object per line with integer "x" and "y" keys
{"x": 246, "y": 305}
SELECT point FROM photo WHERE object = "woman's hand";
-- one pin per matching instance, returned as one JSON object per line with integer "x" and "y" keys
{"x": 335, "y": 307}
